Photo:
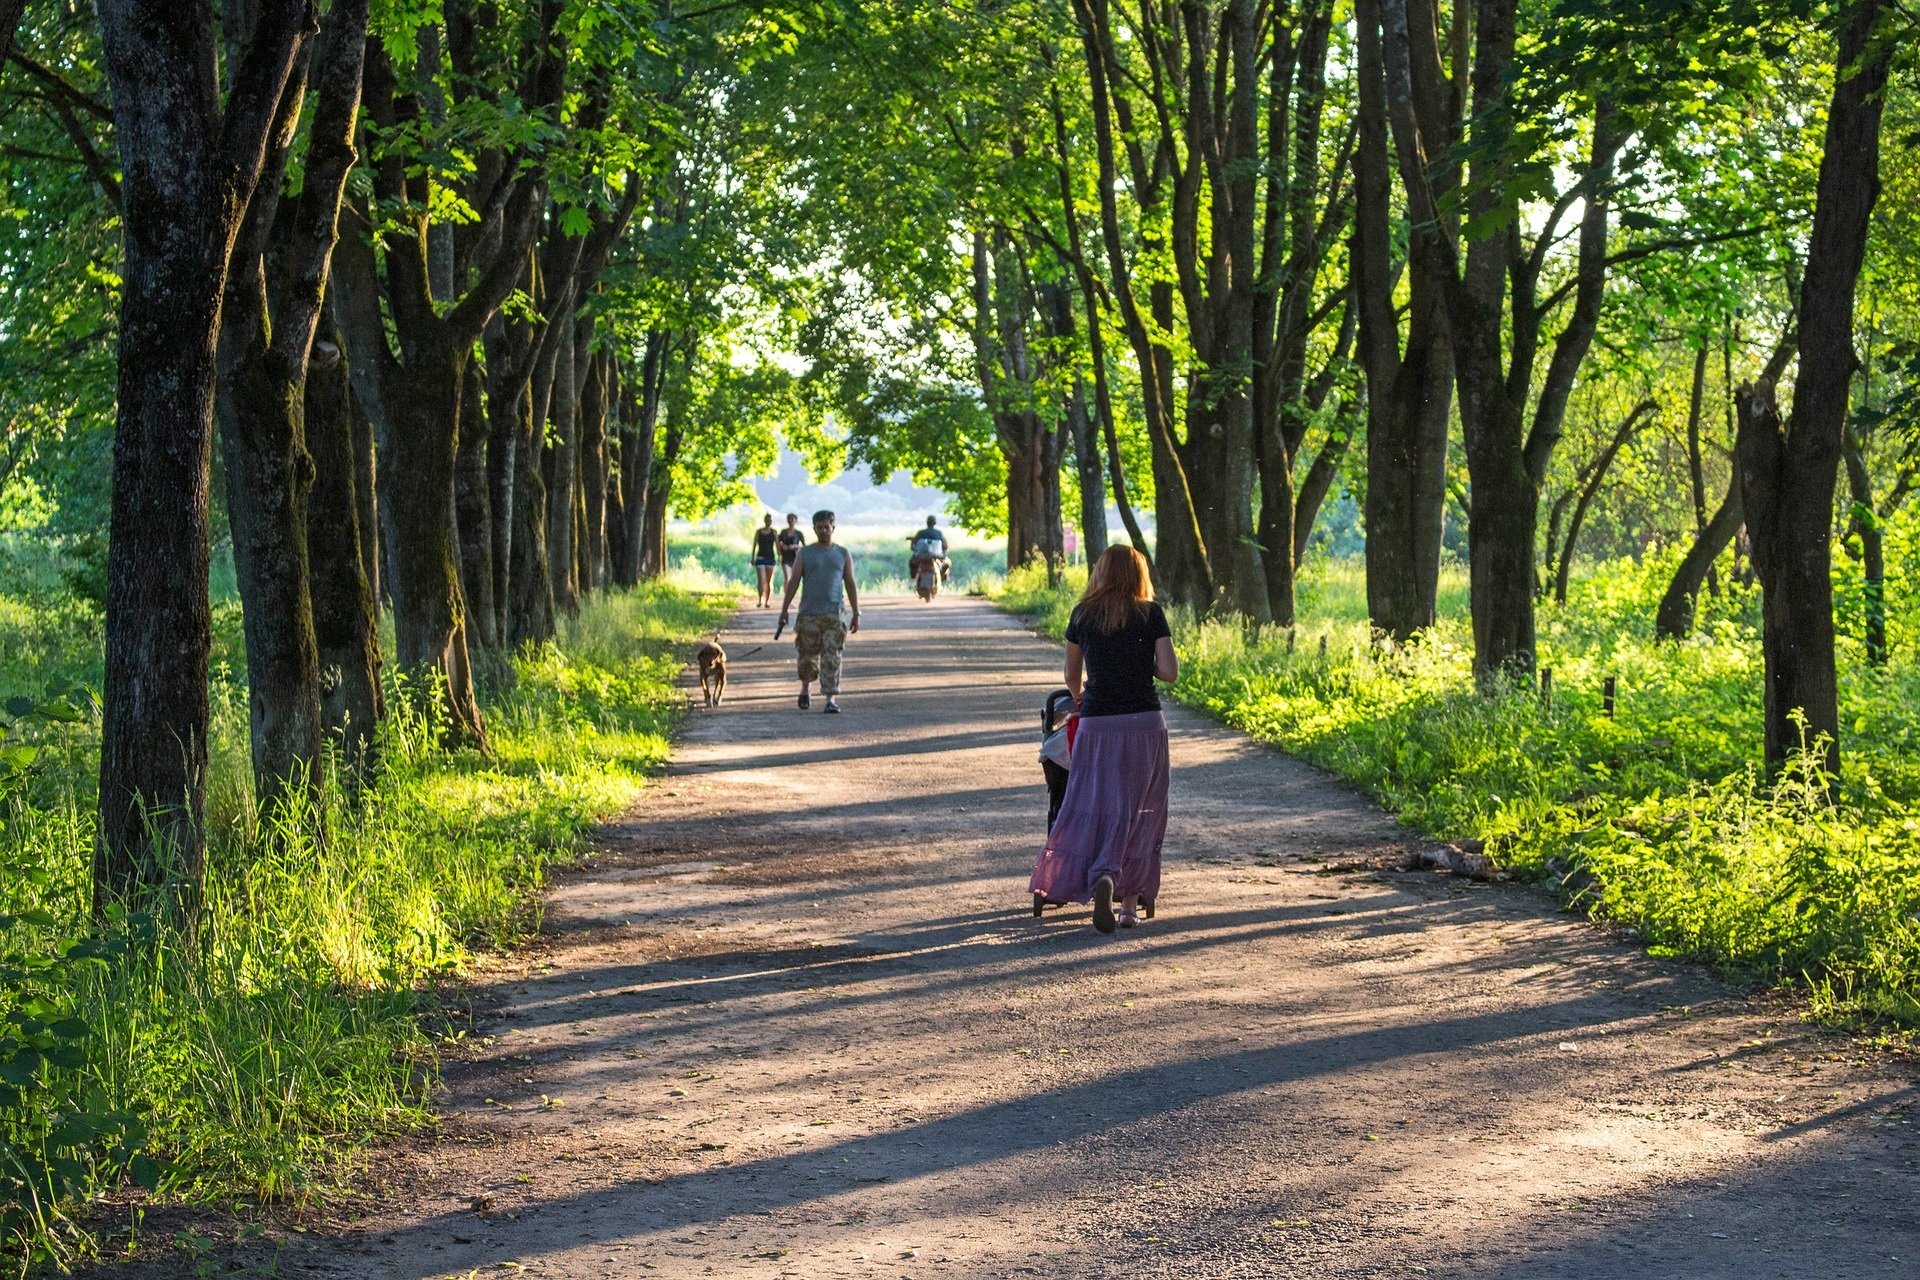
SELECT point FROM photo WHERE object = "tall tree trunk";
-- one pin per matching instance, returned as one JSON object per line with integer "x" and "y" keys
{"x": 409, "y": 349}
{"x": 1696, "y": 458}
{"x": 1222, "y": 445}
{"x": 1116, "y": 467}
{"x": 530, "y": 610}
{"x": 268, "y": 474}
{"x": 1096, "y": 345}
{"x": 1494, "y": 314}
{"x": 509, "y": 371}
{"x": 1410, "y": 391}
{"x": 562, "y": 467}
{"x": 189, "y": 170}
{"x": 1060, "y": 316}
{"x": 1788, "y": 479}
{"x": 473, "y": 510}
{"x": 653, "y": 535}
{"x": 617, "y": 557}
{"x": 366, "y": 494}
{"x": 1033, "y": 491}
{"x": 1183, "y": 568}
{"x": 1088, "y": 460}
{"x": 653, "y": 542}
{"x": 1873, "y": 548}
{"x": 1673, "y": 620}
{"x": 1278, "y": 499}
{"x": 345, "y": 621}
{"x": 417, "y": 453}
{"x": 639, "y": 411}
{"x": 593, "y": 472}
{"x": 271, "y": 312}
{"x": 1299, "y": 225}
{"x": 1007, "y": 371}
{"x": 531, "y": 616}
{"x": 1502, "y": 522}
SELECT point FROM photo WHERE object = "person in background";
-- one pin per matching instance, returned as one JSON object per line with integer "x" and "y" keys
{"x": 764, "y": 539}
{"x": 1105, "y": 843}
{"x": 791, "y": 540}
{"x": 825, "y": 581}
{"x": 932, "y": 544}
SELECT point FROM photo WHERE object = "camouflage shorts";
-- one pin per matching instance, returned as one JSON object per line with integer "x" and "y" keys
{"x": 819, "y": 637}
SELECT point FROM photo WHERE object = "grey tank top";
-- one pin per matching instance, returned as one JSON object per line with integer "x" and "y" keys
{"x": 822, "y": 578}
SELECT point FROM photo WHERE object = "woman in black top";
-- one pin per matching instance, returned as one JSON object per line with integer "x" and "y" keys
{"x": 1105, "y": 843}
{"x": 791, "y": 540}
{"x": 763, "y": 562}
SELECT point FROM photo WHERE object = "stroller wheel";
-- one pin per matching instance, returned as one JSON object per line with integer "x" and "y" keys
{"x": 1039, "y": 905}
{"x": 1146, "y": 905}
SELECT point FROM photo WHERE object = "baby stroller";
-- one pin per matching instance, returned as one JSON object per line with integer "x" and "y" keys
{"x": 1058, "y": 724}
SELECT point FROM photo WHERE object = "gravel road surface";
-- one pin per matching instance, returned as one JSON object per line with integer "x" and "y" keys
{"x": 798, "y": 1020}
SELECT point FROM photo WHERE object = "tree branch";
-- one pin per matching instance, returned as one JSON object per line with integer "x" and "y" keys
{"x": 60, "y": 87}
{"x": 315, "y": 227}
{"x": 1647, "y": 250}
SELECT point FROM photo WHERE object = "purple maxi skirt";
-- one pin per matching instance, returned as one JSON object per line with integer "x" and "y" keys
{"x": 1114, "y": 816}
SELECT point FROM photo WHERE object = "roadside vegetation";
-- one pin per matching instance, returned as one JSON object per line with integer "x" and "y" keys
{"x": 254, "y": 1058}
{"x": 1658, "y": 816}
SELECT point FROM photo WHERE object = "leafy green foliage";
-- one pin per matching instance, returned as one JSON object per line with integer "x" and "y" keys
{"x": 255, "y": 1059}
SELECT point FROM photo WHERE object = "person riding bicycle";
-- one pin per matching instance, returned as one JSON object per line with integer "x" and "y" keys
{"x": 928, "y": 544}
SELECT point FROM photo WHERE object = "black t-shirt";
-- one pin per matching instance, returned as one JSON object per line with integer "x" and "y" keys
{"x": 1119, "y": 664}
{"x": 763, "y": 544}
{"x": 791, "y": 540}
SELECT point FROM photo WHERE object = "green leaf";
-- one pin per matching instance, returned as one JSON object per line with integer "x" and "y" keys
{"x": 23, "y": 1070}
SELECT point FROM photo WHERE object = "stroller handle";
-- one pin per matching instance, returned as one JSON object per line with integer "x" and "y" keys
{"x": 1050, "y": 716}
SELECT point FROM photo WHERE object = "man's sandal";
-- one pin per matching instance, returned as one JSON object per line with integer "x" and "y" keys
{"x": 805, "y": 702}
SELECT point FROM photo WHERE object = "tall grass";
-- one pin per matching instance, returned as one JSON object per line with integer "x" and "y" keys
{"x": 251, "y": 1060}
{"x": 1656, "y": 816}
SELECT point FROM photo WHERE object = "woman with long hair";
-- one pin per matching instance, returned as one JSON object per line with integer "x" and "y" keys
{"x": 1105, "y": 843}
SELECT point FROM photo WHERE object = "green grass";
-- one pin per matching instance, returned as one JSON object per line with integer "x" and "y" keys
{"x": 251, "y": 1063}
{"x": 1656, "y": 817}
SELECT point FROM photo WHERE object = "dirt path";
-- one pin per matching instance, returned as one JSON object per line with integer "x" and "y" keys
{"x": 800, "y": 1022}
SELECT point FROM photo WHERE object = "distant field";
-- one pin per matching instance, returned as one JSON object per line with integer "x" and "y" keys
{"x": 879, "y": 560}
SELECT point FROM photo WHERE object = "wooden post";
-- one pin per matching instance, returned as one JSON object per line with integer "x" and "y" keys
{"x": 1546, "y": 687}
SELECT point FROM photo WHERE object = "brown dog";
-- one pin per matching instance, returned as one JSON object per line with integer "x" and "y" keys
{"x": 713, "y": 671}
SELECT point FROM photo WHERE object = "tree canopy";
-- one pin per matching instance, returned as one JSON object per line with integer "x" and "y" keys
{"x": 505, "y": 284}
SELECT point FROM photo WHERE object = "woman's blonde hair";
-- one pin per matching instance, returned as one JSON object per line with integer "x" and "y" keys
{"x": 1119, "y": 587}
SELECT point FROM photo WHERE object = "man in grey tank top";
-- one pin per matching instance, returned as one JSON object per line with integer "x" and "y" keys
{"x": 825, "y": 582}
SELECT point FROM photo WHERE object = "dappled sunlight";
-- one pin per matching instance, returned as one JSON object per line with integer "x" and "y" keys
{"x": 801, "y": 1017}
